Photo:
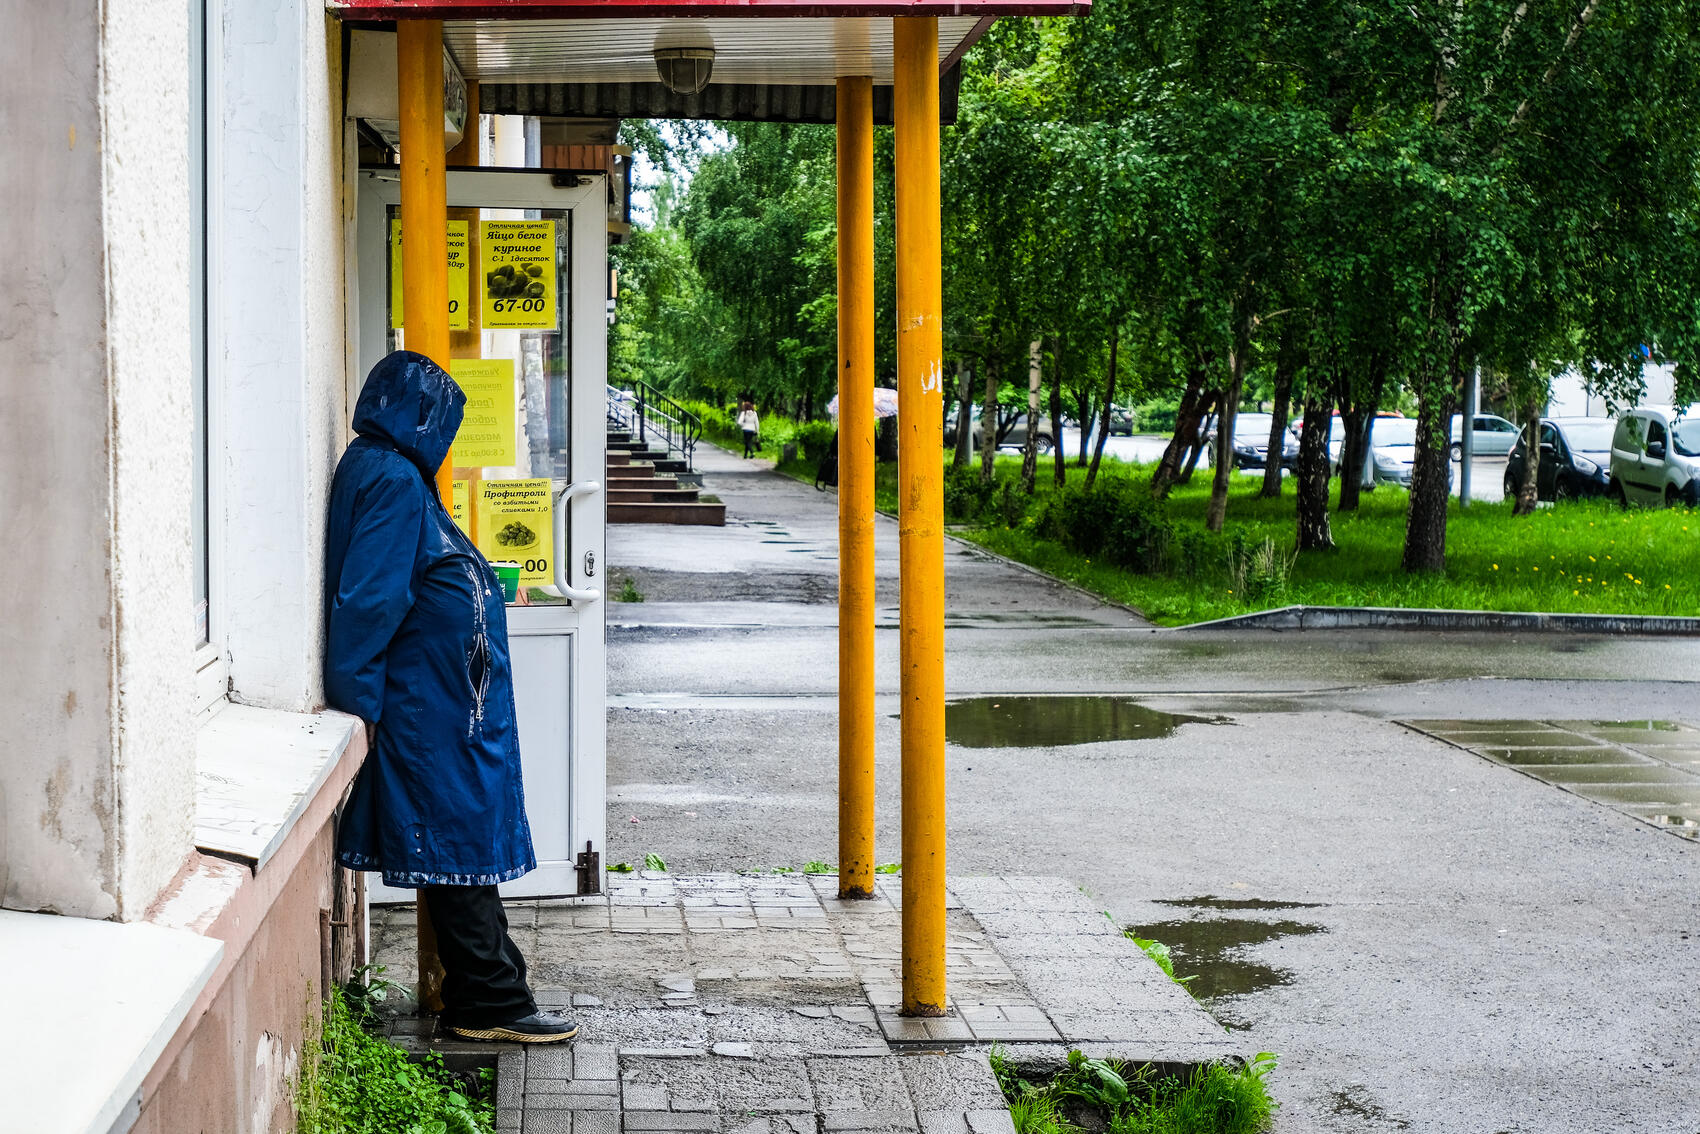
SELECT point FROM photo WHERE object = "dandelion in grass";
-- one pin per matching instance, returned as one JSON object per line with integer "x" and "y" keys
{"x": 1496, "y": 566}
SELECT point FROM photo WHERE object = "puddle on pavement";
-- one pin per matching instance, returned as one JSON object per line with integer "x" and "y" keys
{"x": 1046, "y": 722}
{"x": 1209, "y": 951}
{"x": 1574, "y": 774}
{"x": 1639, "y": 767}
{"x": 1547, "y": 756}
{"x": 1208, "y": 903}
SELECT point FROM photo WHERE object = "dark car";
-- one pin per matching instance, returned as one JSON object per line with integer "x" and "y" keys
{"x": 1575, "y": 459}
{"x": 1251, "y": 442}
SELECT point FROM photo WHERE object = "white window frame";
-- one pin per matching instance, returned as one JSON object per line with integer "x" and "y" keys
{"x": 211, "y": 665}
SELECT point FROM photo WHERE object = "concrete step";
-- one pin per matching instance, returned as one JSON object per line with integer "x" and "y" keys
{"x": 615, "y": 435}
{"x": 652, "y": 496}
{"x": 619, "y": 457}
{"x": 713, "y": 515}
{"x": 631, "y": 470}
{"x": 639, "y": 483}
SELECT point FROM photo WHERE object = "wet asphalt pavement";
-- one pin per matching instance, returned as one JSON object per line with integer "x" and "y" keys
{"x": 1430, "y": 939}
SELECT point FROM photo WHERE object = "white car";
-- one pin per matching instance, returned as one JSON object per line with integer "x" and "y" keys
{"x": 1655, "y": 458}
{"x": 1491, "y": 437}
{"x": 1393, "y": 450}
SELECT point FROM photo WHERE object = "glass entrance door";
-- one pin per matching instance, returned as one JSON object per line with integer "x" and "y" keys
{"x": 527, "y": 275}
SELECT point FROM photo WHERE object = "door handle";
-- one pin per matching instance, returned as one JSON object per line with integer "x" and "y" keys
{"x": 563, "y": 587}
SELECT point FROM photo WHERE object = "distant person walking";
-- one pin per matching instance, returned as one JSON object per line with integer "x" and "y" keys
{"x": 751, "y": 425}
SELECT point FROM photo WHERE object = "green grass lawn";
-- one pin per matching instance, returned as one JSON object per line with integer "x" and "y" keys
{"x": 1584, "y": 557}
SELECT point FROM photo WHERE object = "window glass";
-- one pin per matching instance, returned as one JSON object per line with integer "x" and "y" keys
{"x": 511, "y": 351}
{"x": 1685, "y": 434}
{"x": 198, "y": 304}
{"x": 1549, "y": 435}
{"x": 1655, "y": 433}
{"x": 1628, "y": 436}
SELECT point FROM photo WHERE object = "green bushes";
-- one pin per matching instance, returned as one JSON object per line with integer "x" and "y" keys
{"x": 354, "y": 1082}
{"x": 1098, "y": 1094}
{"x": 1118, "y": 521}
{"x": 815, "y": 438}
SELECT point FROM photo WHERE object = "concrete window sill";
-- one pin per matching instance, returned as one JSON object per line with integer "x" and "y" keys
{"x": 256, "y": 772}
{"x": 90, "y": 1005}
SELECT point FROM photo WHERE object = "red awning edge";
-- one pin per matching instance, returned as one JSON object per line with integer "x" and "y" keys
{"x": 614, "y": 9}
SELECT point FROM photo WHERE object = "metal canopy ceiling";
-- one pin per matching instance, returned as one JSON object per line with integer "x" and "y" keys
{"x": 793, "y": 52}
{"x": 580, "y": 9}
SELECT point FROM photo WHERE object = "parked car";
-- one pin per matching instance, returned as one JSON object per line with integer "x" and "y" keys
{"x": 1251, "y": 442}
{"x": 1655, "y": 458}
{"x": 1491, "y": 437}
{"x": 1575, "y": 459}
{"x": 1013, "y": 435}
{"x": 1393, "y": 451}
{"x": 1337, "y": 434}
{"x": 1121, "y": 421}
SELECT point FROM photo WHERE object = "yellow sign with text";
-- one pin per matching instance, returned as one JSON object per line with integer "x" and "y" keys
{"x": 460, "y": 276}
{"x": 460, "y": 495}
{"x": 487, "y": 430}
{"x": 515, "y": 526}
{"x": 518, "y": 259}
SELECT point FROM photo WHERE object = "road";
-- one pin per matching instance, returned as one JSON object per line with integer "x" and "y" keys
{"x": 1430, "y": 941}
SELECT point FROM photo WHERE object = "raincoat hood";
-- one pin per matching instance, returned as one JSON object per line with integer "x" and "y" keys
{"x": 411, "y": 403}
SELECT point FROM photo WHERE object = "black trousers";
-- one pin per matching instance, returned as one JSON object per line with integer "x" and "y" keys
{"x": 484, "y": 972}
{"x": 750, "y": 441}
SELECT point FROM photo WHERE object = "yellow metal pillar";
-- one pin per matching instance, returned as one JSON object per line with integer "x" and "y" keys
{"x": 424, "y": 197}
{"x": 425, "y": 286}
{"x": 855, "y": 486}
{"x": 920, "y": 471}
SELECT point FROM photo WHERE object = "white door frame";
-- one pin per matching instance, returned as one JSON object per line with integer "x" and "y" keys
{"x": 579, "y": 626}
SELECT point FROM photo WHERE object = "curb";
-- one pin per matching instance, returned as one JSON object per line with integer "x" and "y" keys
{"x": 1395, "y": 618}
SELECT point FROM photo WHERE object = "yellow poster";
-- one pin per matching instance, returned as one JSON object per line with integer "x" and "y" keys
{"x": 518, "y": 258}
{"x": 458, "y": 506}
{"x": 514, "y": 526}
{"x": 486, "y": 434}
{"x": 460, "y": 276}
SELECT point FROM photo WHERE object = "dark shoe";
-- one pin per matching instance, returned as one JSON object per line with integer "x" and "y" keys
{"x": 539, "y": 1027}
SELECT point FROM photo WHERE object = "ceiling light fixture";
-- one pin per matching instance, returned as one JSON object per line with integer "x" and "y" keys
{"x": 684, "y": 70}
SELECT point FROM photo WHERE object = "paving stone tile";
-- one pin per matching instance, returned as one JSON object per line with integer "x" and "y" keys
{"x": 848, "y": 1120}
{"x": 547, "y": 1122}
{"x": 943, "y": 1122}
{"x": 596, "y": 1061}
{"x": 957, "y": 1083}
{"x": 668, "y": 1120}
{"x": 595, "y": 1122}
{"x": 508, "y": 1120}
{"x": 552, "y": 1062}
{"x": 991, "y": 1121}
{"x": 583, "y": 1088}
{"x": 753, "y": 1126}
{"x": 734, "y": 1087}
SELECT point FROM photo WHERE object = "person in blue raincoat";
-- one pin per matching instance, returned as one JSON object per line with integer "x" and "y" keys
{"x": 417, "y": 647}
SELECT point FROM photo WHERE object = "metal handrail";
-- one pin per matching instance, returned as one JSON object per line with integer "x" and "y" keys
{"x": 643, "y": 410}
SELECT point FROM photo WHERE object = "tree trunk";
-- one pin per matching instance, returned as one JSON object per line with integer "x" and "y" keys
{"x": 1529, "y": 493}
{"x": 1104, "y": 416}
{"x": 1217, "y": 514}
{"x": 1272, "y": 469}
{"x": 1186, "y": 434}
{"x": 1352, "y": 457}
{"x": 1086, "y": 409}
{"x": 964, "y": 407}
{"x": 1314, "y": 533}
{"x": 1060, "y": 472}
{"x": 1431, "y": 489}
{"x": 1212, "y": 410}
{"x": 989, "y": 414}
{"x": 1030, "y": 450}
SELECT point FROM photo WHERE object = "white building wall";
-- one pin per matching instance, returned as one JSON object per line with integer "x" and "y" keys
{"x": 97, "y": 764}
{"x": 279, "y": 340}
{"x": 1570, "y": 397}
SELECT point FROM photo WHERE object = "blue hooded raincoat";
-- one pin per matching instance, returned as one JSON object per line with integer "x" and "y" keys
{"x": 417, "y": 641}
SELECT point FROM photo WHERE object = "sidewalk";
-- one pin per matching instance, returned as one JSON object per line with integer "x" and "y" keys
{"x": 762, "y": 1004}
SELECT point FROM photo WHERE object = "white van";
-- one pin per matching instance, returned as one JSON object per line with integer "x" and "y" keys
{"x": 1655, "y": 458}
